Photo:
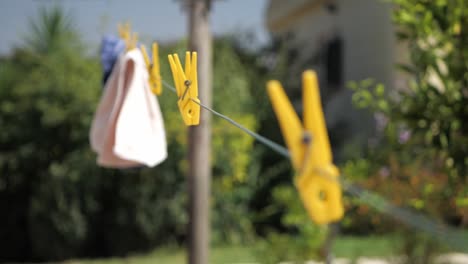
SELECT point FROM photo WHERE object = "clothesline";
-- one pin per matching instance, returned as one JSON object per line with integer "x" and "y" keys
{"x": 451, "y": 236}
{"x": 276, "y": 147}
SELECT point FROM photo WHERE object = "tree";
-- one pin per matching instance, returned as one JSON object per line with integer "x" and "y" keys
{"x": 52, "y": 30}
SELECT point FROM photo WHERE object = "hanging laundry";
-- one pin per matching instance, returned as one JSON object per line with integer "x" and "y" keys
{"x": 111, "y": 48}
{"x": 128, "y": 129}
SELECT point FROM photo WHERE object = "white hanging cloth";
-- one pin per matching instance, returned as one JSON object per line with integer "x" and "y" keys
{"x": 128, "y": 127}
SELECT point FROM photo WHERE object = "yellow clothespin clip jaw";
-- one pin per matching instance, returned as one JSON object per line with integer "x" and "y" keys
{"x": 132, "y": 42}
{"x": 321, "y": 195}
{"x": 124, "y": 30}
{"x": 309, "y": 146}
{"x": 153, "y": 67}
{"x": 186, "y": 84}
{"x": 126, "y": 34}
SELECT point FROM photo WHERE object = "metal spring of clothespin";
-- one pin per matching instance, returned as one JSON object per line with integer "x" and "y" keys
{"x": 186, "y": 84}
{"x": 309, "y": 146}
{"x": 153, "y": 67}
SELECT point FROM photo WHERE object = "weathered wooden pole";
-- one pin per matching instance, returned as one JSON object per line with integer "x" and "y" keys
{"x": 199, "y": 178}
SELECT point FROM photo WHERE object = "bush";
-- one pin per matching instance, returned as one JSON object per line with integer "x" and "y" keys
{"x": 419, "y": 159}
{"x": 304, "y": 239}
{"x": 58, "y": 204}
{"x": 44, "y": 133}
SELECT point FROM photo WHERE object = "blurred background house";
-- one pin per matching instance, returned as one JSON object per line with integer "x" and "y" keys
{"x": 343, "y": 41}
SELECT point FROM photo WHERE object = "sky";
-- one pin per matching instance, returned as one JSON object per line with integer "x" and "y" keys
{"x": 162, "y": 20}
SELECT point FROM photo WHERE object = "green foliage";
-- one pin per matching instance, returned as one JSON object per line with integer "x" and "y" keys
{"x": 426, "y": 120}
{"x": 59, "y": 204}
{"x": 434, "y": 108}
{"x": 44, "y": 133}
{"x": 52, "y": 30}
{"x": 419, "y": 248}
{"x": 233, "y": 183}
{"x": 305, "y": 239}
{"x": 420, "y": 160}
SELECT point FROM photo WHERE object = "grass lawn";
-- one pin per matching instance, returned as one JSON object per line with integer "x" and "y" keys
{"x": 349, "y": 247}
{"x": 369, "y": 246}
{"x": 234, "y": 254}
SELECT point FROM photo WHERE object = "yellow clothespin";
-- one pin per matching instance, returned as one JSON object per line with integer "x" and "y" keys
{"x": 153, "y": 68}
{"x": 309, "y": 146}
{"x": 124, "y": 30}
{"x": 132, "y": 42}
{"x": 186, "y": 84}
{"x": 125, "y": 33}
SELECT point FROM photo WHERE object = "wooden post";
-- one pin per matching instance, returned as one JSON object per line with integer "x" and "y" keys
{"x": 199, "y": 177}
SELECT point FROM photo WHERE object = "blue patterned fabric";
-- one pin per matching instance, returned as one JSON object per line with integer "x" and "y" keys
{"x": 111, "y": 48}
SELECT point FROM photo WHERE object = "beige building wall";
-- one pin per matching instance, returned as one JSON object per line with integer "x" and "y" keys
{"x": 369, "y": 49}
{"x": 365, "y": 26}
{"x": 370, "y": 44}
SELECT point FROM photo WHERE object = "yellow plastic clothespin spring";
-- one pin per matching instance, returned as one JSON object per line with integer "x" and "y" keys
{"x": 186, "y": 84}
{"x": 317, "y": 176}
{"x": 153, "y": 67}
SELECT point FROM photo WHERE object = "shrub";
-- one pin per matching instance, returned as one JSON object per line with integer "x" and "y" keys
{"x": 420, "y": 157}
{"x": 58, "y": 204}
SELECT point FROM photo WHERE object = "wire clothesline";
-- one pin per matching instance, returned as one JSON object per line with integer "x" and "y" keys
{"x": 451, "y": 236}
